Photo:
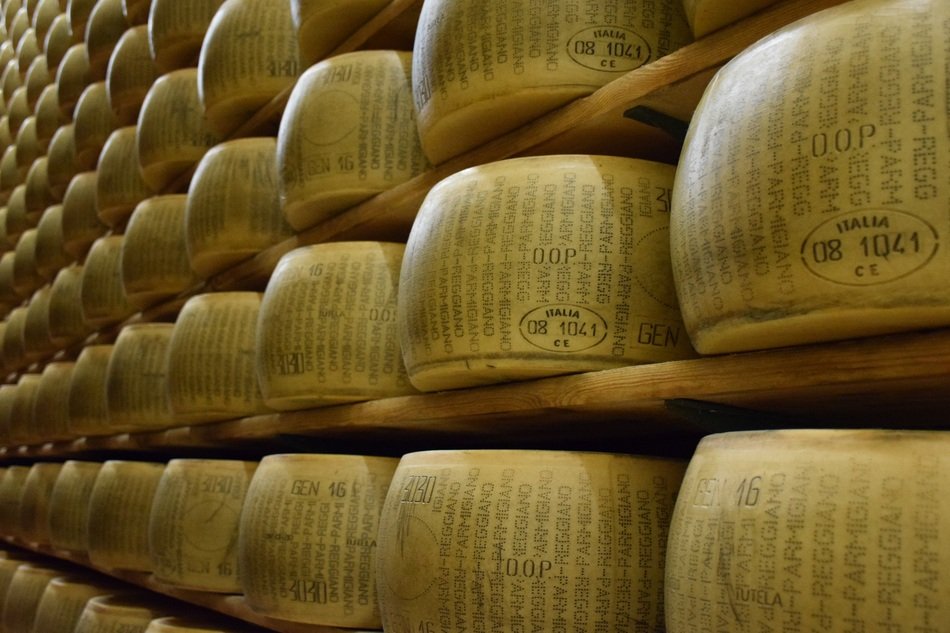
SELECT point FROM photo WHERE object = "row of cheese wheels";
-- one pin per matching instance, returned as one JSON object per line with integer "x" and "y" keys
{"x": 765, "y": 529}
{"x": 38, "y": 595}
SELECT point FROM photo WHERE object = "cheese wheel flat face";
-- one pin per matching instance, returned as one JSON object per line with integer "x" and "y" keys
{"x": 211, "y": 360}
{"x": 27, "y": 146}
{"x": 103, "y": 298}
{"x": 11, "y": 485}
{"x": 473, "y": 82}
{"x": 17, "y": 109}
{"x": 48, "y": 116}
{"x": 26, "y": 51}
{"x": 308, "y": 536}
{"x": 176, "y": 30}
{"x": 323, "y": 24}
{"x": 327, "y": 332}
{"x": 131, "y": 73}
{"x": 34, "y": 502}
{"x": 22, "y": 430}
{"x": 64, "y": 599}
{"x": 119, "y": 508}
{"x": 69, "y": 506}
{"x": 38, "y": 194}
{"x": 66, "y": 324}
{"x": 37, "y": 78}
{"x": 119, "y": 185}
{"x": 94, "y": 122}
{"x": 72, "y": 77}
{"x": 43, "y": 16}
{"x": 58, "y": 41}
{"x": 81, "y": 225}
{"x": 348, "y": 133}
{"x": 50, "y": 256}
{"x": 63, "y": 162}
{"x": 172, "y": 133}
{"x": 10, "y": 80}
{"x": 106, "y": 25}
{"x": 17, "y": 25}
{"x": 540, "y": 266}
{"x": 154, "y": 258}
{"x": 36, "y": 337}
{"x": 118, "y": 614}
{"x": 233, "y": 209}
{"x": 826, "y": 530}
{"x": 808, "y": 203}
{"x": 23, "y": 596}
{"x": 238, "y": 75}
{"x": 526, "y": 540}
{"x": 51, "y": 408}
{"x": 88, "y": 405}
{"x": 136, "y": 381}
{"x": 193, "y": 529}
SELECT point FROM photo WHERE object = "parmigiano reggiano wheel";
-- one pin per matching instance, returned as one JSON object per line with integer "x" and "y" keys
{"x": 327, "y": 332}
{"x": 233, "y": 210}
{"x": 120, "y": 614}
{"x": 36, "y": 338}
{"x": 193, "y": 528}
{"x": 50, "y": 256}
{"x": 10, "y": 9}
{"x": 46, "y": 11}
{"x": 72, "y": 77}
{"x": 136, "y": 11}
{"x": 26, "y": 51}
{"x": 48, "y": 116}
{"x": 5, "y": 137}
{"x": 17, "y": 109}
{"x": 79, "y": 11}
{"x": 11, "y": 485}
{"x": 154, "y": 257}
{"x": 136, "y": 379}
{"x": 211, "y": 360}
{"x": 106, "y": 25}
{"x": 37, "y": 78}
{"x": 7, "y": 54}
{"x": 51, "y": 407}
{"x": 347, "y": 134}
{"x": 16, "y": 213}
{"x": 25, "y": 277}
{"x": 526, "y": 540}
{"x": 7, "y": 396}
{"x": 176, "y": 31}
{"x": 34, "y": 504}
{"x": 69, "y": 506}
{"x": 539, "y": 266}
{"x": 17, "y": 24}
{"x": 10, "y": 80}
{"x": 473, "y": 82}
{"x": 131, "y": 73}
{"x": 88, "y": 406}
{"x": 324, "y": 24}
{"x": 118, "y": 514}
{"x": 8, "y": 567}
{"x": 237, "y": 75}
{"x": 103, "y": 298}
{"x": 66, "y": 324}
{"x": 14, "y": 354}
{"x": 38, "y": 194}
{"x": 9, "y": 172}
{"x": 294, "y": 569}
{"x": 23, "y": 598}
{"x": 172, "y": 134}
{"x": 63, "y": 161}
{"x": 120, "y": 186}
{"x": 27, "y": 146}
{"x": 94, "y": 122}
{"x": 21, "y": 416}
{"x": 831, "y": 530}
{"x": 808, "y": 200}
{"x": 58, "y": 41}
{"x": 81, "y": 225}
{"x": 65, "y": 598}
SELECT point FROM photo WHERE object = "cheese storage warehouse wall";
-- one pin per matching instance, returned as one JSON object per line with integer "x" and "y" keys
{"x": 440, "y": 315}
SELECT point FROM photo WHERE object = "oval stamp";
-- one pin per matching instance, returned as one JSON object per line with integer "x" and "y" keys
{"x": 609, "y": 48}
{"x": 564, "y": 328}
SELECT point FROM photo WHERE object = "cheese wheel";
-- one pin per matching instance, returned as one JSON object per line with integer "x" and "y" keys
{"x": 16, "y": 213}
{"x": 88, "y": 405}
{"x": 119, "y": 508}
{"x": 154, "y": 257}
{"x": 27, "y": 50}
{"x": 17, "y": 24}
{"x": 120, "y": 186}
{"x": 50, "y": 256}
{"x": 828, "y": 530}
{"x": 10, "y": 80}
{"x": 14, "y": 354}
{"x": 8, "y": 567}
{"x": 79, "y": 11}
{"x": 25, "y": 277}
{"x": 103, "y": 298}
{"x": 136, "y": 11}
{"x": 193, "y": 528}
{"x": 119, "y": 614}
{"x": 94, "y": 121}
{"x": 176, "y": 30}
{"x": 8, "y": 294}
{"x": 172, "y": 134}
{"x": 10, "y": 9}
{"x": 43, "y": 16}
{"x": 136, "y": 379}
{"x": 473, "y": 82}
{"x": 23, "y": 598}
{"x": 9, "y": 172}
{"x": 11, "y": 485}
{"x": 58, "y": 41}
{"x": 195, "y": 624}
{"x": 106, "y": 25}
{"x": 6, "y": 138}
{"x": 327, "y": 332}
{"x": 238, "y": 75}
{"x": 22, "y": 430}
{"x": 69, "y": 506}
{"x": 64, "y": 162}
{"x": 233, "y": 210}
{"x": 36, "y": 338}
{"x": 38, "y": 195}
{"x": 81, "y": 225}
{"x": 34, "y": 504}
{"x": 7, "y": 54}
{"x": 307, "y": 541}
{"x": 48, "y": 116}
{"x": 323, "y": 24}
{"x": 37, "y": 78}
{"x": 66, "y": 324}
{"x": 27, "y": 146}
{"x": 51, "y": 407}
{"x": 347, "y": 134}
{"x": 5, "y": 243}
{"x": 539, "y": 266}
{"x": 7, "y": 396}
{"x": 65, "y": 598}
{"x": 131, "y": 73}
{"x": 211, "y": 360}
{"x": 808, "y": 201}
{"x": 538, "y": 540}
{"x": 72, "y": 77}
{"x": 17, "y": 109}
